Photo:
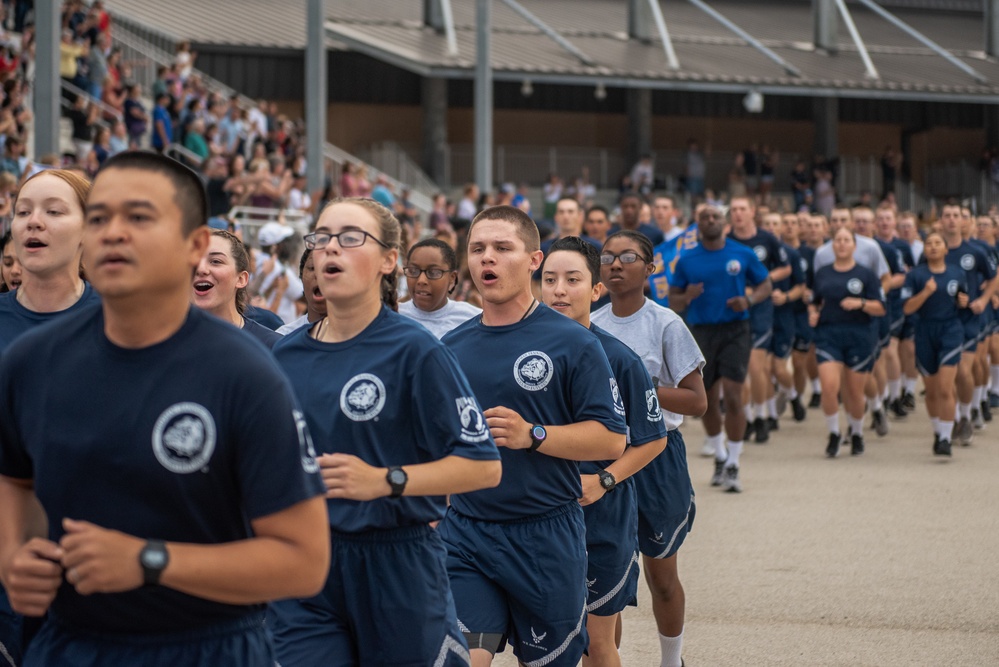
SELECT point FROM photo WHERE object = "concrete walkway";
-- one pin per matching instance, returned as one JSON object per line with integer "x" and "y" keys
{"x": 891, "y": 558}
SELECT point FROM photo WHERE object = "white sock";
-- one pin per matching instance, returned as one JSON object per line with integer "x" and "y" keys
{"x": 976, "y": 396}
{"x": 748, "y": 410}
{"x": 717, "y": 441}
{"x": 832, "y": 423}
{"x": 671, "y": 647}
{"x": 894, "y": 389}
{"x": 873, "y": 405}
{"x": 734, "y": 450}
{"x": 772, "y": 407}
{"x": 936, "y": 425}
{"x": 817, "y": 386}
{"x": 856, "y": 425}
{"x": 945, "y": 430}
{"x": 791, "y": 392}
{"x": 760, "y": 409}
{"x": 910, "y": 384}
{"x": 964, "y": 409}
{"x": 884, "y": 394}
{"x": 994, "y": 372}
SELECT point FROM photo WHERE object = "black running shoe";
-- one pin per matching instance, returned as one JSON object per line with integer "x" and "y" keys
{"x": 832, "y": 449}
{"x": 942, "y": 448}
{"x": 895, "y": 407}
{"x": 879, "y": 423}
{"x": 993, "y": 400}
{"x": 798, "y": 409}
{"x": 856, "y": 444}
{"x": 986, "y": 411}
{"x": 773, "y": 424}
{"x": 761, "y": 430}
{"x": 749, "y": 431}
{"x": 977, "y": 422}
{"x": 816, "y": 401}
{"x": 908, "y": 400}
{"x": 719, "y": 477}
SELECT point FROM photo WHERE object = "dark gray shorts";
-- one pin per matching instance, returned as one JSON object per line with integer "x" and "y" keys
{"x": 726, "y": 348}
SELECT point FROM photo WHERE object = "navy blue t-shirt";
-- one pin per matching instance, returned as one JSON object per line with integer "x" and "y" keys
{"x": 651, "y": 232}
{"x": 551, "y": 371}
{"x": 392, "y": 395}
{"x": 639, "y": 403}
{"x": 15, "y": 319}
{"x": 975, "y": 263}
{"x": 267, "y": 337}
{"x": 264, "y": 317}
{"x": 797, "y": 276}
{"x": 832, "y": 286}
{"x": 942, "y": 304}
{"x": 724, "y": 274}
{"x": 174, "y": 441}
{"x": 896, "y": 265}
{"x": 770, "y": 251}
{"x": 806, "y": 259}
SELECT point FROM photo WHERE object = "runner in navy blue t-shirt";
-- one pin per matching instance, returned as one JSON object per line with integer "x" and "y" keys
{"x": 219, "y": 285}
{"x": 844, "y": 298}
{"x": 547, "y": 388}
{"x": 989, "y": 234}
{"x": 397, "y": 428}
{"x": 188, "y": 495}
{"x": 937, "y": 292}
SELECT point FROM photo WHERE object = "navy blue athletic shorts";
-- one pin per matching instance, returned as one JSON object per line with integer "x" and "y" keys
{"x": 783, "y": 333}
{"x": 612, "y": 551}
{"x": 909, "y": 327}
{"x": 972, "y": 329}
{"x": 938, "y": 343}
{"x": 884, "y": 332}
{"x": 243, "y": 642}
{"x": 762, "y": 329}
{"x": 804, "y": 335}
{"x": 524, "y": 580}
{"x": 386, "y": 602}
{"x": 665, "y": 500}
{"x": 896, "y": 317}
{"x": 849, "y": 344}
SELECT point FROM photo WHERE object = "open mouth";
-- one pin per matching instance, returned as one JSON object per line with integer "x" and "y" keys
{"x": 202, "y": 287}
{"x": 113, "y": 260}
{"x": 489, "y": 277}
{"x": 317, "y": 294}
{"x": 332, "y": 270}
{"x": 34, "y": 244}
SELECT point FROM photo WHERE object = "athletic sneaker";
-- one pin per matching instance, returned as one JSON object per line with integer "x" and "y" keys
{"x": 986, "y": 412}
{"x": 748, "y": 435}
{"x": 732, "y": 483}
{"x": 964, "y": 432}
{"x": 762, "y": 430}
{"x": 856, "y": 444}
{"x": 798, "y": 409}
{"x": 781, "y": 403}
{"x": 832, "y": 449}
{"x": 772, "y": 424}
{"x": 976, "y": 419}
{"x": 908, "y": 400}
{"x": 993, "y": 400}
{"x": 719, "y": 477}
{"x": 941, "y": 447}
{"x": 707, "y": 449}
{"x": 896, "y": 408}
{"x": 879, "y": 424}
{"x": 816, "y": 401}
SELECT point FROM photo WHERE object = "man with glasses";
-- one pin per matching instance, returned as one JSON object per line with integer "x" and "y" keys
{"x": 710, "y": 282}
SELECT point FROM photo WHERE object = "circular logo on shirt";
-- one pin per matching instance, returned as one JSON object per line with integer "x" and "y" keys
{"x": 473, "y": 424}
{"x": 652, "y": 406}
{"x": 733, "y": 267}
{"x": 533, "y": 370}
{"x": 803, "y": 263}
{"x": 952, "y": 288}
{"x": 968, "y": 262}
{"x": 363, "y": 397}
{"x": 184, "y": 438}
{"x": 616, "y": 394}
{"x": 761, "y": 252}
{"x": 855, "y": 285}
{"x": 305, "y": 445}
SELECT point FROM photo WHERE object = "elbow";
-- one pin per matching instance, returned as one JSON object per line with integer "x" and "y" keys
{"x": 313, "y": 568}
{"x": 491, "y": 473}
{"x": 700, "y": 406}
{"x": 615, "y": 447}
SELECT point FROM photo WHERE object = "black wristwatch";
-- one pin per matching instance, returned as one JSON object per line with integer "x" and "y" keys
{"x": 538, "y": 436}
{"x": 607, "y": 480}
{"x": 153, "y": 558}
{"x": 397, "y": 479}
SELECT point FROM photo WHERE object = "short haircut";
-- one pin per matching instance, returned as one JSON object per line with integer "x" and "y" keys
{"x": 527, "y": 229}
{"x": 568, "y": 198}
{"x": 641, "y": 239}
{"x": 447, "y": 252}
{"x": 189, "y": 191}
{"x": 672, "y": 199}
{"x": 598, "y": 208}
{"x": 577, "y": 245}
{"x": 632, "y": 195}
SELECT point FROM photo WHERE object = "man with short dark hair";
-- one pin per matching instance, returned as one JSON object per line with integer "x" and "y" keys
{"x": 631, "y": 206}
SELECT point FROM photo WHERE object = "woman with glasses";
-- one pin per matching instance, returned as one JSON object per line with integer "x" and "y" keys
{"x": 432, "y": 274}
{"x": 673, "y": 360}
{"x": 396, "y": 428}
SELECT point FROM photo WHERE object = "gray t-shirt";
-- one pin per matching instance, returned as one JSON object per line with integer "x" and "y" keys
{"x": 868, "y": 255}
{"x": 662, "y": 340}
{"x": 442, "y": 320}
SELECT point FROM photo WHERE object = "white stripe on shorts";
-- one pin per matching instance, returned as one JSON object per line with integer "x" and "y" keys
{"x": 614, "y": 591}
{"x": 676, "y": 533}
{"x": 450, "y": 644}
{"x": 548, "y": 659}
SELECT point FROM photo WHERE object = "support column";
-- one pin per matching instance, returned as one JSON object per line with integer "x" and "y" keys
{"x": 639, "y": 123}
{"x": 316, "y": 98}
{"x": 483, "y": 97}
{"x": 992, "y": 28}
{"x": 826, "y": 111}
{"x": 434, "y": 152}
{"x": 47, "y": 92}
{"x": 824, "y": 20}
{"x": 640, "y": 20}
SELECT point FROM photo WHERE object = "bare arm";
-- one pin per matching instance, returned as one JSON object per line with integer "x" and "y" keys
{"x": 347, "y": 476}
{"x": 583, "y": 441}
{"x": 688, "y": 397}
{"x": 29, "y": 564}
{"x": 633, "y": 460}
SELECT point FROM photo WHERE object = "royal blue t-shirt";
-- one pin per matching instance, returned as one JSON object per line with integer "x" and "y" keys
{"x": 664, "y": 258}
{"x": 15, "y": 319}
{"x": 550, "y": 371}
{"x": 942, "y": 304}
{"x": 724, "y": 274}
{"x": 633, "y": 389}
{"x": 392, "y": 395}
{"x": 832, "y": 286}
{"x": 187, "y": 440}
{"x": 770, "y": 251}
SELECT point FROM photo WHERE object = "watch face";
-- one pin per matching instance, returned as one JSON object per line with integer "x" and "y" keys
{"x": 154, "y": 558}
{"x": 397, "y": 477}
{"x": 538, "y": 432}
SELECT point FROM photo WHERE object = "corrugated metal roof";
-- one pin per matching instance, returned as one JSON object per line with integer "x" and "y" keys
{"x": 708, "y": 52}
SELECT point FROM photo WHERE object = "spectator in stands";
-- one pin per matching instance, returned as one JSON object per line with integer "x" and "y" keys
{"x": 520, "y": 199}
{"x": 69, "y": 51}
{"x": 299, "y": 198}
{"x": 113, "y": 96}
{"x": 136, "y": 116}
{"x": 801, "y": 185}
{"x": 363, "y": 183}
{"x": 382, "y": 192}
{"x": 97, "y": 66}
{"x": 891, "y": 162}
{"x": 643, "y": 175}
{"x": 194, "y": 141}
{"x": 83, "y": 115}
{"x": 468, "y": 206}
{"x": 101, "y": 147}
{"x": 13, "y": 161}
{"x": 184, "y": 60}
{"x": 162, "y": 124}
{"x": 118, "y": 141}
{"x": 696, "y": 169}
{"x": 768, "y": 167}
{"x": 162, "y": 83}
{"x": 550, "y": 193}
{"x": 737, "y": 177}
{"x": 824, "y": 192}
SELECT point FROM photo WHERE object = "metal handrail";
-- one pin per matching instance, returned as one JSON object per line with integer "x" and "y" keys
{"x": 103, "y": 106}
{"x": 183, "y": 151}
{"x": 66, "y": 104}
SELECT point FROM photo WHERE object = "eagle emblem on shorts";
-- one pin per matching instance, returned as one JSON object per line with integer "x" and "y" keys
{"x": 855, "y": 286}
{"x": 733, "y": 267}
{"x": 363, "y": 397}
{"x": 533, "y": 370}
{"x": 184, "y": 438}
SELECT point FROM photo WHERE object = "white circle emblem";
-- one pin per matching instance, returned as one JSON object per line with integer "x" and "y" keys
{"x": 761, "y": 253}
{"x": 968, "y": 262}
{"x": 184, "y": 438}
{"x": 855, "y": 285}
{"x": 363, "y": 397}
{"x": 533, "y": 370}
{"x": 952, "y": 288}
{"x": 733, "y": 267}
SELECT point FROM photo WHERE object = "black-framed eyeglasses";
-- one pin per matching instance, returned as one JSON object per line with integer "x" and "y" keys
{"x": 352, "y": 238}
{"x": 432, "y": 274}
{"x": 626, "y": 257}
